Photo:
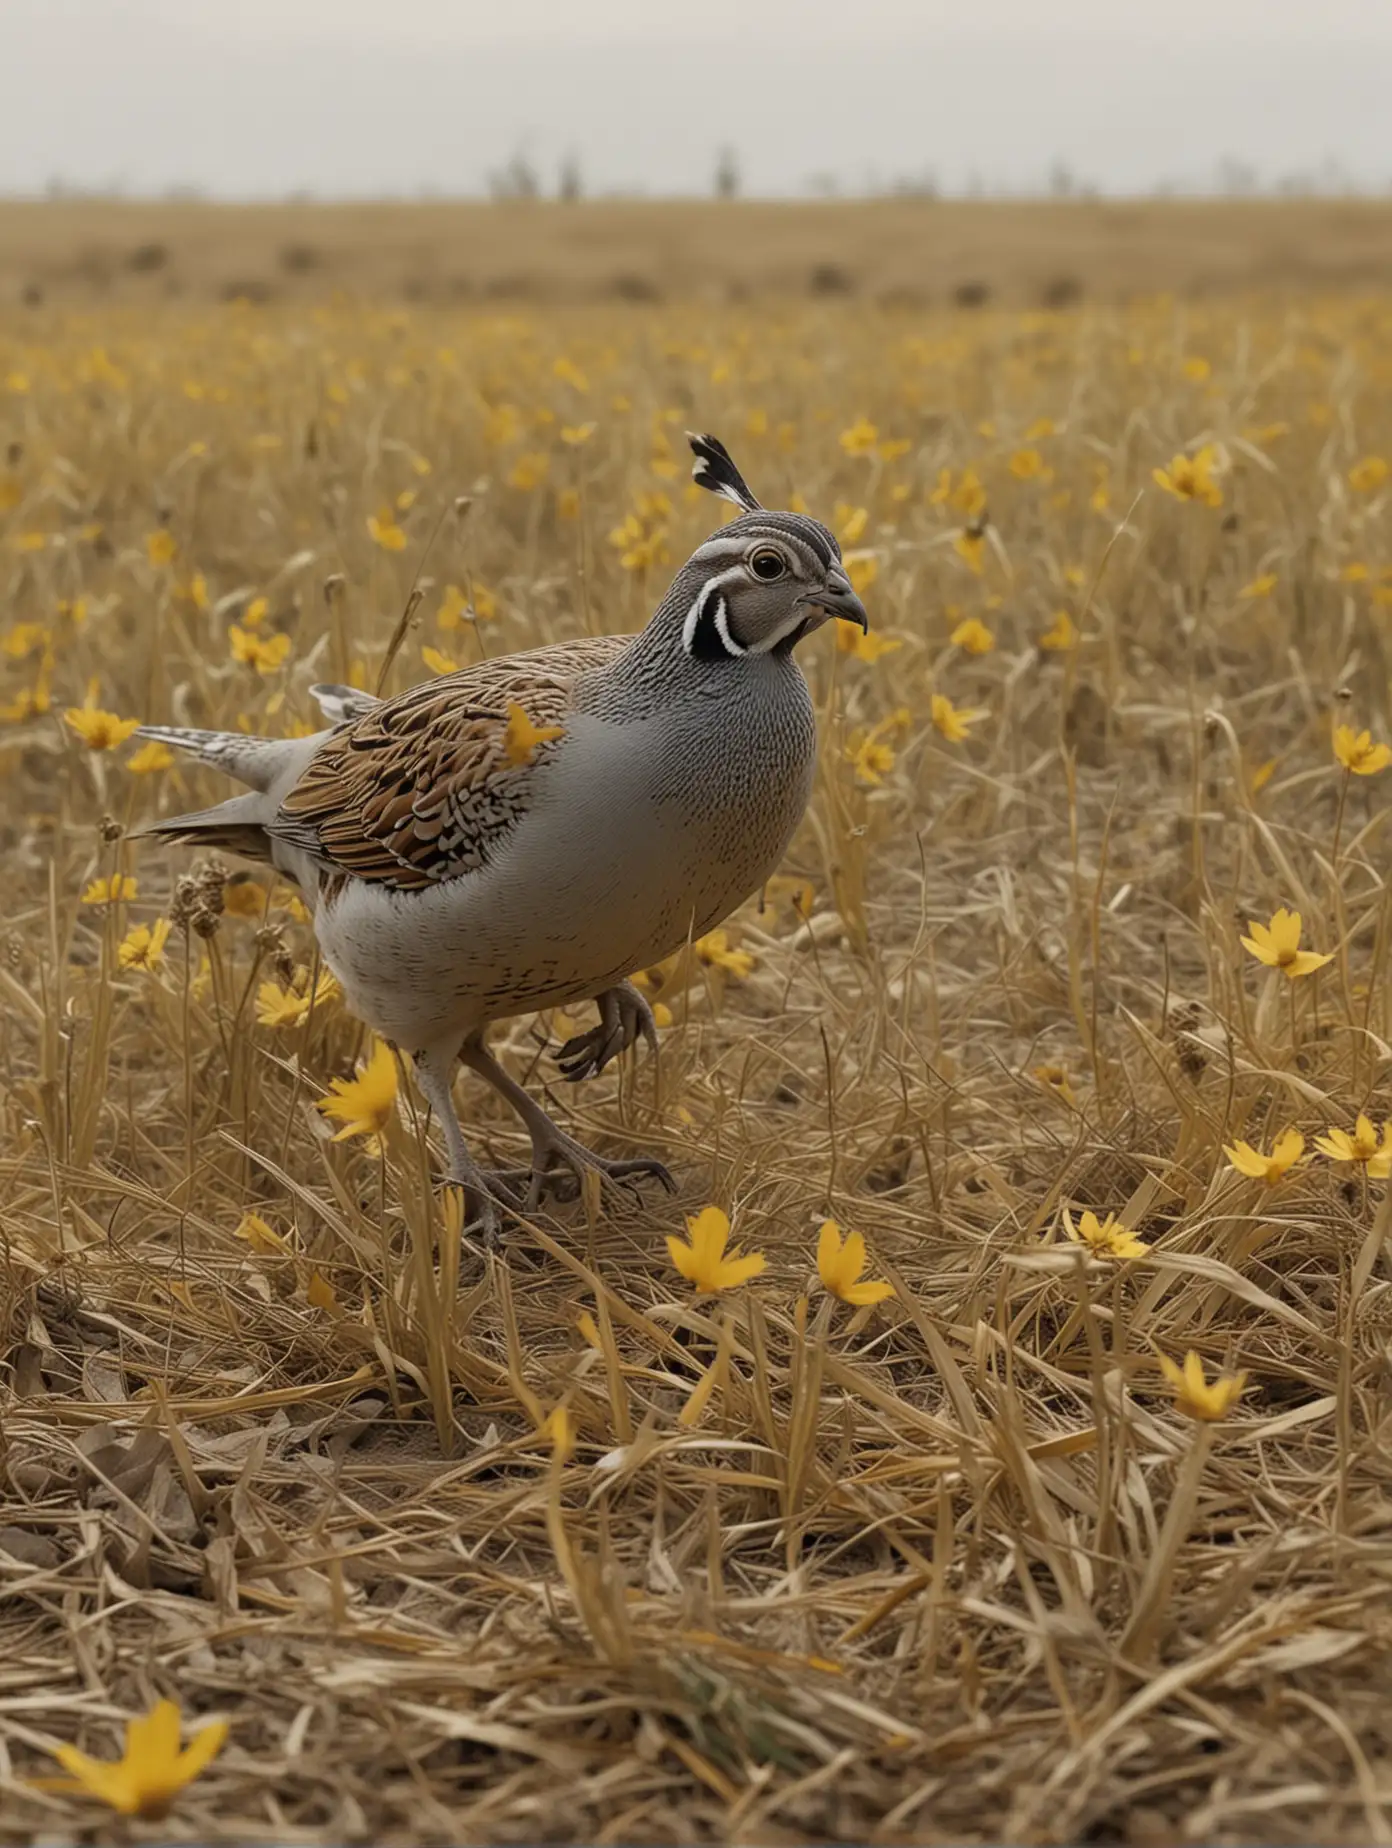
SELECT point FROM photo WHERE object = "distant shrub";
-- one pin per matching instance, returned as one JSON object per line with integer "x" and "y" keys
{"x": 146, "y": 258}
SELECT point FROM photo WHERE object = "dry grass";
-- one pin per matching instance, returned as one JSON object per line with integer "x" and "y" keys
{"x": 954, "y": 1569}
{"x": 899, "y": 252}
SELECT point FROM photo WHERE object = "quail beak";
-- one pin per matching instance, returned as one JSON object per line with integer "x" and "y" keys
{"x": 838, "y": 599}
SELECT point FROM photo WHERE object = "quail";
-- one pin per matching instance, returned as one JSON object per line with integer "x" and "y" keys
{"x": 526, "y": 832}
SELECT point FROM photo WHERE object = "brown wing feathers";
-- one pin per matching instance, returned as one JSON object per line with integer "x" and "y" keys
{"x": 420, "y": 789}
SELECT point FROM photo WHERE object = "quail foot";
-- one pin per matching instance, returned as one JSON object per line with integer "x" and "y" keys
{"x": 525, "y": 833}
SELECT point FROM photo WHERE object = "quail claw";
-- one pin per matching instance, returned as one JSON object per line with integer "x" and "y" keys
{"x": 624, "y": 1014}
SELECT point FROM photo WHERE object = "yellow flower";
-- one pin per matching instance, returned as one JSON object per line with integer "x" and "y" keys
{"x": 862, "y": 568}
{"x": 1260, "y": 586}
{"x": 23, "y": 639}
{"x": 320, "y": 1293}
{"x": 160, "y": 547}
{"x": 142, "y": 947}
{"x": 98, "y": 730}
{"x": 1362, "y": 1146}
{"x": 839, "y": 1264}
{"x": 1192, "y": 477}
{"x": 528, "y": 472}
{"x": 893, "y": 447}
{"x": 263, "y": 652}
{"x": 1194, "y": 1396}
{"x": 1277, "y": 944}
{"x": 716, "y": 950}
{"x": 1040, "y": 428}
{"x": 112, "y": 891}
{"x": 1286, "y": 1151}
{"x": 970, "y": 547}
{"x": 256, "y": 612}
{"x": 455, "y": 608}
{"x": 973, "y": 636}
{"x": 244, "y": 897}
{"x": 150, "y": 757}
{"x": 260, "y": 1235}
{"x": 438, "y": 662}
{"x": 290, "y": 1007}
{"x": 969, "y": 496}
{"x": 1106, "y": 1238}
{"x": 1055, "y": 1078}
{"x": 1357, "y": 752}
{"x": 1367, "y": 476}
{"x": 384, "y": 529}
{"x": 702, "y": 1260}
{"x": 850, "y": 522}
{"x": 953, "y": 721}
{"x": 862, "y": 644}
{"x": 873, "y": 759}
{"x": 860, "y": 439}
{"x": 570, "y": 374}
{"x": 363, "y": 1105}
{"x": 568, "y": 504}
{"x": 559, "y": 1428}
{"x": 577, "y": 434}
{"x": 152, "y": 1771}
{"x": 1026, "y": 463}
{"x": 1062, "y": 636}
{"x": 195, "y": 591}
{"x": 28, "y": 703}
{"x": 1196, "y": 368}
{"x": 522, "y": 738}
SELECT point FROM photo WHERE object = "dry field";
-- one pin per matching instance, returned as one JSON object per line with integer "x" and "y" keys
{"x": 951, "y": 1567}
{"x": 893, "y": 252}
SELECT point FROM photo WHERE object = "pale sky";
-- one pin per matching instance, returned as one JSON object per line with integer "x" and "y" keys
{"x": 264, "y": 98}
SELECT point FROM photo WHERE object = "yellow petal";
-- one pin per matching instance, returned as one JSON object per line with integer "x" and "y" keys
{"x": 732, "y": 1271}
{"x": 1246, "y": 1160}
{"x": 869, "y": 1292}
{"x": 828, "y": 1247}
{"x": 1304, "y": 962}
{"x": 682, "y": 1256}
{"x": 203, "y": 1748}
{"x": 1288, "y": 1147}
{"x": 708, "y": 1232}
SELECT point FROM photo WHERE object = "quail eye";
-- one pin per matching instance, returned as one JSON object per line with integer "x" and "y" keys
{"x": 768, "y": 566}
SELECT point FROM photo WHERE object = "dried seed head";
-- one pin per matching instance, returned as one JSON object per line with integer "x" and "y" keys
{"x": 109, "y": 829}
{"x": 334, "y": 586}
{"x": 182, "y": 904}
{"x": 1184, "y": 1017}
{"x": 204, "y": 921}
{"x": 211, "y": 878}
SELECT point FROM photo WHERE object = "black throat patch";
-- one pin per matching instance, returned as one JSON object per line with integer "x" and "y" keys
{"x": 707, "y": 633}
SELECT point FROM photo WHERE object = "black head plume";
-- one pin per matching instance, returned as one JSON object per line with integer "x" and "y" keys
{"x": 714, "y": 469}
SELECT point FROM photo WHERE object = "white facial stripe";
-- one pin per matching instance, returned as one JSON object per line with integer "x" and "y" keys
{"x": 711, "y": 598}
{"x": 693, "y": 616}
{"x": 722, "y": 628}
{"x": 770, "y": 642}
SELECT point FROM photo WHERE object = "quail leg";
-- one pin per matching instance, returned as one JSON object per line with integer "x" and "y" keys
{"x": 624, "y": 1013}
{"x": 550, "y": 1144}
{"x": 434, "y": 1074}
